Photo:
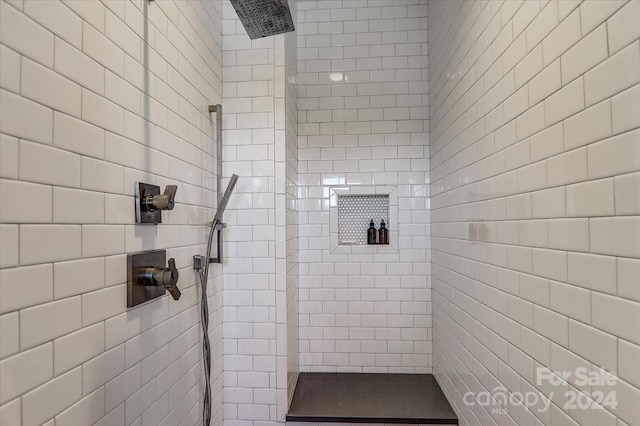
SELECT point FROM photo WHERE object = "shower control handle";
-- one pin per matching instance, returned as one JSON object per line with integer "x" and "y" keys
{"x": 164, "y": 201}
{"x": 165, "y": 277}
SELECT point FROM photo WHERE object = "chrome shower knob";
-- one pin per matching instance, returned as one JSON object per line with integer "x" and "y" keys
{"x": 164, "y": 201}
{"x": 164, "y": 277}
{"x": 149, "y": 202}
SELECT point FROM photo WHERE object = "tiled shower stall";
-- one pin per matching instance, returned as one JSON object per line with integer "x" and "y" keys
{"x": 505, "y": 135}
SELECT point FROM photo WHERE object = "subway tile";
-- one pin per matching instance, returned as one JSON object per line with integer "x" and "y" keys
{"x": 591, "y": 125}
{"x": 88, "y": 410}
{"x": 534, "y": 289}
{"x": 137, "y": 403}
{"x": 49, "y": 243}
{"x": 593, "y": 198}
{"x": 101, "y": 369}
{"x": 571, "y": 301}
{"x": 626, "y": 109}
{"x": 617, "y": 73}
{"x": 26, "y": 36}
{"x": 567, "y": 168}
{"x": 121, "y": 387}
{"x": 49, "y": 88}
{"x": 593, "y": 272}
{"x": 549, "y": 203}
{"x": 594, "y": 13}
{"x": 102, "y": 112}
{"x": 545, "y": 83}
{"x": 124, "y": 94}
{"x": 101, "y": 49}
{"x": 593, "y": 345}
{"x": 71, "y": 113}
{"x": 102, "y": 240}
{"x": 74, "y": 135}
{"x": 66, "y": 202}
{"x": 531, "y": 121}
{"x": 564, "y": 103}
{"x": 588, "y": 52}
{"x": 51, "y": 398}
{"x": 43, "y": 164}
{"x": 621, "y": 30}
{"x": 75, "y": 348}
{"x": 10, "y": 67}
{"x": 615, "y": 155}
{"x": 551, "y": 325}
{"x": 117, "y": 31}
{"x": 628, "y": 397}
{"x": 102, "y": 304}
{"x": 562, "y": 60}
{"x": 550, "y": 264}
{"x": 25, "y": 371}
{"x": 565, "y": 35}
{"x": 58, "y": 19}
{"x": 72, "y": 278}
{"x": 9, "y": 245}
{"x": 23, "y": 202}
{"x": 78, "y": 67}
{"x": 122, "y": 151}
{"x": 10, "y": 333}
{"x": 618, "y": 236}
{"x": 102, "y": 176}
{"x": 628, "y": 353}
{"x": 35, "y": 327}
{"x": 617, "y": 316}
{"x": 627, "y": 278}
{"x": 542, "y": 25}
{"x": 10, "y": 413}
{"x": 13, "y": 283}
{"x": 8, "y": 157}
{"x": 569, "y": 234}
{"x": 26, "y": 119}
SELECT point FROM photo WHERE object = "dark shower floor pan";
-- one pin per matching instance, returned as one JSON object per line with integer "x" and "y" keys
{"x": 370, "y": 398}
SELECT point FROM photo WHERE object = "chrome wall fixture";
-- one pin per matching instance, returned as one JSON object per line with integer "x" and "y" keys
{"x": 218, "y": 224}
{"x": 150, "y": 203}
{"x": 201, "y": 263}
{"x": 148, "y": 277}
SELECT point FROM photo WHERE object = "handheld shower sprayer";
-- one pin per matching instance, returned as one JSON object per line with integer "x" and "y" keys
{"x": 201, "y": 266}
{"x": 225, "y": 199}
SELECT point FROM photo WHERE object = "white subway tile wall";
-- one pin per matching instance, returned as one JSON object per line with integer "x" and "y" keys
{"x": 535, "y": 157}
{"x": 94, "y": 96}
{"x": 290, "y": 116}
{"x": 363, "y": 121}
{"x": 260, "y": 312}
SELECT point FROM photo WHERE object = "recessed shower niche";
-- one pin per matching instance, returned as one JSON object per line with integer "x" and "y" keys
{"x": 351, "y": 210}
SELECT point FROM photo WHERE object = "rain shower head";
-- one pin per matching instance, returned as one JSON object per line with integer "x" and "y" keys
{"x": 225, "y": 199}
{"x": 264, "y": 18}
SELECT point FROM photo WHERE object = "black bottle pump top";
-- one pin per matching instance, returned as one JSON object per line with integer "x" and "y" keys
{"x": 372, "y": 234}
{"x": 383, "y": 235}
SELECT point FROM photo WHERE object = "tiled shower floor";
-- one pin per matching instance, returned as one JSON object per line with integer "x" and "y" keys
{"x": 370, "y": 398}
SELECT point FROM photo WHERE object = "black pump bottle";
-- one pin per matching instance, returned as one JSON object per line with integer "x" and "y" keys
{"x": 372, "y": 234}
{"x": 383, "y": 234}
